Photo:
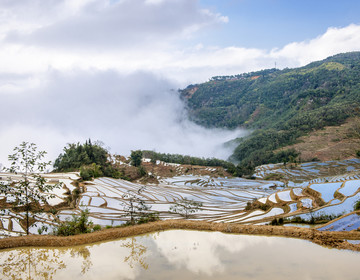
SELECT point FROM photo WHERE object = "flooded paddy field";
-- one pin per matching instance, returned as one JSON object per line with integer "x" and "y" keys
{"x": 314, "y": 172}
{"x": 223, "y": 200}
{"x": 183, "y": 254}
{"x": 105, "y": 199}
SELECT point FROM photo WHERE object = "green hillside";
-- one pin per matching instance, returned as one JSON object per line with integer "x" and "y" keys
{"x": 281, "y": 105}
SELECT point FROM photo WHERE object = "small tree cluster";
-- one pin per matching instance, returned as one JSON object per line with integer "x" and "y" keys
{"x": 91, "y": 159}
{"x": 77, "y": 155}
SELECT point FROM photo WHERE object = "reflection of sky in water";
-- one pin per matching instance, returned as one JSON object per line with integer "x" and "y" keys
{"x": 347, "y": 223}
{"x": 350, "y": 187}
{"x": 350, "y": 168}
{"x": 326, "y": 189}
{"x": 345, "y": 207}
{"x": 309, "y": 169}
{"x": 179, "y": 254}
{"x": 293, "y": 207}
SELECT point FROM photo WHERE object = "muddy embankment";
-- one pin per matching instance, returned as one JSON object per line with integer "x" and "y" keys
{"x": 330, "y": 239}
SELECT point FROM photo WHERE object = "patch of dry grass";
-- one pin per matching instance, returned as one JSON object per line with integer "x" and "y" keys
{"x": 331, "y": 143}
{"x": 331, "y": 239}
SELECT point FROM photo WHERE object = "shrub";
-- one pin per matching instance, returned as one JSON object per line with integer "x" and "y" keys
{"x": 142, "y": 171}
{"x": 96, "y": 228}
{"x": 357, "y": 205}
{"x": 77, "y": 225}
{"x": 87, "y": 172}
{"x": 277, "y": 222}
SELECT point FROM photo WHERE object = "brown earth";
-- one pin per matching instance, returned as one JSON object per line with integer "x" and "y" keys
{"x": 331, "y": 143}
{"x": 166, "y": 170}
{"x": 330, "y": 239}
{"x": 184, "y": 169}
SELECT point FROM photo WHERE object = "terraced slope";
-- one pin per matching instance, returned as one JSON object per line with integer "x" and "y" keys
{"x": 309, "y": 192}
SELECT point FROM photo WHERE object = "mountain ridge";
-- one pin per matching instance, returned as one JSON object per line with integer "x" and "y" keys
{"x": 280, "y": 105}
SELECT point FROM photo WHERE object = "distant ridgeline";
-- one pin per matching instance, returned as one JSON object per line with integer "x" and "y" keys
{"x": 281, "y": 105}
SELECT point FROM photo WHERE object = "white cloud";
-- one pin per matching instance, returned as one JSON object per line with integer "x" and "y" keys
{"x": 103, "y": 69}
{"x": 206, "y": 62}
{"x": 333, "y": 41}
{"x": 109, "y": 24}
{"x": 134, "y": 35}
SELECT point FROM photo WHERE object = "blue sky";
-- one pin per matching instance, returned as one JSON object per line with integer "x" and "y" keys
{"x": 275, "y": 23}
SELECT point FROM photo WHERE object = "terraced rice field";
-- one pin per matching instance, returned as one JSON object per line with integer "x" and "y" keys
{"x": 313, "y": 172}
{"x": 223, "y": 199}
{"x": 105, "y": 199}
{"x": 10, "y": 221}
{"x": 346, "y": 223}
{"x": 336, "y": 198}
{"x": 219, "y": 196}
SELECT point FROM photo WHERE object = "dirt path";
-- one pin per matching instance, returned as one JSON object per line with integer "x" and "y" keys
{"x": 331, "y": 239}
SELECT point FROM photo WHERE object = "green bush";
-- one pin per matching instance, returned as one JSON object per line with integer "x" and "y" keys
{"x": 77, "y": 225}
{"x": 90, "y": 171}
{"x": 96, "y": 228}
{"x": 277, "y": 222}
{"x": 142, "y": 171}
{"x": 357, "y": 206}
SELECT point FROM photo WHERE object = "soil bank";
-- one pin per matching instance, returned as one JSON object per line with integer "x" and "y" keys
{"x": 330, "y": 239}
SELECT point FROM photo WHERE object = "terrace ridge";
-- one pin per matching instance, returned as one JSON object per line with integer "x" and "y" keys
{"x": 330, "y": 239}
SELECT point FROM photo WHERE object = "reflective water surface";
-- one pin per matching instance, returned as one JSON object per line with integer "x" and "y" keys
{"x": 179, "y": 254}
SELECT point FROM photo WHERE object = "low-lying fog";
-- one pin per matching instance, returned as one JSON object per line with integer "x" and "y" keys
{"x": 126, "y": 112}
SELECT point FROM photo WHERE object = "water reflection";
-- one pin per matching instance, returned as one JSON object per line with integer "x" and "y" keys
{"x": 180, "y": 254}
{"x": 136, "y": 253}
{"x": 35, "y": 263}
{"x": 29, "y": 264}
{"x": 199, "y": 252}
{"x": 84, "y": 253}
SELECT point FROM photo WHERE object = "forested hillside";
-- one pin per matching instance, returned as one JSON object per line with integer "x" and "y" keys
{"x": 281, "y": 105}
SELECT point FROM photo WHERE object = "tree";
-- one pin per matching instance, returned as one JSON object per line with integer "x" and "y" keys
{"x": 186, "y": 207}
{"x": 28, "y": 189}
{"x": 135, "y": 207}
{"x": 136, "y": 157}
